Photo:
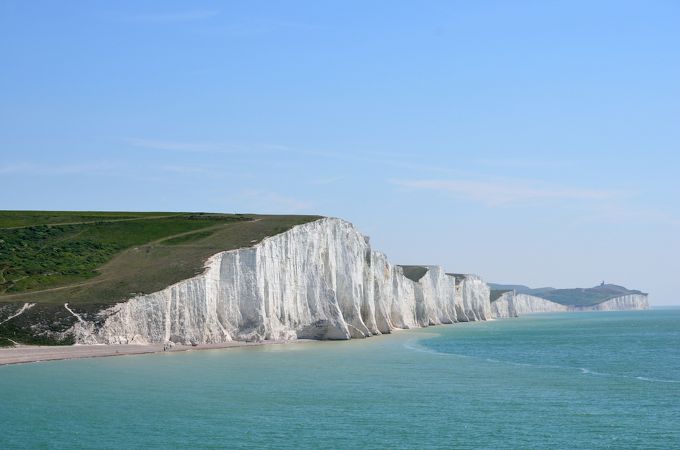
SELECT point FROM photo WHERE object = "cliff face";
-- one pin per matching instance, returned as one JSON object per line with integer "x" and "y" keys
{"x": 474, "y": 299}
{"x": 320, "y": 280}
{"x": 512, "y": 305}
{"x": 504, "y": 306}
{"x": 624, "y": 302}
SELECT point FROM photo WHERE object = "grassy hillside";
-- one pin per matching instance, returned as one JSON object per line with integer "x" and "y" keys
{"x": 92, "y": 260}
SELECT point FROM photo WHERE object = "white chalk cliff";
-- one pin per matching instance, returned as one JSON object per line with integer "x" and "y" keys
{"x": 504, "y": 306}
{"x": 624, "y": 302}
{"x": 320, "y": 280}
{"x": 513, "y": 305}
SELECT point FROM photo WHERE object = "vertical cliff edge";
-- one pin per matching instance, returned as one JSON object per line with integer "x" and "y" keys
{"x": 319, "y": 280}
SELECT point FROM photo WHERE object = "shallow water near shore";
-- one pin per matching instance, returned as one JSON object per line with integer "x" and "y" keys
{"x": 588, "y": 380}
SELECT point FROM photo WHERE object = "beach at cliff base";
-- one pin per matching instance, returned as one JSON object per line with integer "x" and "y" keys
{"x": 36, "y": 353}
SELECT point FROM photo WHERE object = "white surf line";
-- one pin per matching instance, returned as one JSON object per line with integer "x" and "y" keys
{"x": 18, "y": 313}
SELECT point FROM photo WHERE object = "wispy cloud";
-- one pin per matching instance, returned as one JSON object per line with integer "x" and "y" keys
{"x": 378, "y": 159}
{"x": 244, "y": 27}
{"x": 273, "y": 201}
{"x": 264, "y": 26}
{"x": 58, "y": 169}
{"x": 617, "y": 214}
{"x": 365, "y": 158}
{"x": 507, "y": 192}
{"x": 186, "y": 169}
{"x": 170, "y": 17}
{"x": 178, "y": 146}
{"x": 204, "y": 146}
{"x": 278, "y": 147}
{"x": 326, "y": 180}
{"x": 523, "y": 163}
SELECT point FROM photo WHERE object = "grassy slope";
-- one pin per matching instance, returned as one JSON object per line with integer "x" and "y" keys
{"x": 93, "y": 260}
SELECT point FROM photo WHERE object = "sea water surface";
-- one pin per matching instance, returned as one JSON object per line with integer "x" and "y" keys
{"x": 576, "y": 380}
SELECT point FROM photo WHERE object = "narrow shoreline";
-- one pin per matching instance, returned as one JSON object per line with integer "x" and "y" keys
{"x": 24, "y": 354}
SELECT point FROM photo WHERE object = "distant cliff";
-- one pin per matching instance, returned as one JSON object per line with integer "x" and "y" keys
{"x": 511, "y": 303}
{"x": 319, "y": 280}
{"x": 514, "y": 305}
{"x": 624, "y": 302}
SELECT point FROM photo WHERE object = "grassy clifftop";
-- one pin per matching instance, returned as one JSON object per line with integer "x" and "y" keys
{"x": 95, "y": 259}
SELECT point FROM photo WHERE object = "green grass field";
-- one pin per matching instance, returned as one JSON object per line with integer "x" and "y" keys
{"x": 93, "y": 260}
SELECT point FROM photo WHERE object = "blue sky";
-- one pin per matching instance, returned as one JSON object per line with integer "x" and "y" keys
{"x": 528, "y": 142}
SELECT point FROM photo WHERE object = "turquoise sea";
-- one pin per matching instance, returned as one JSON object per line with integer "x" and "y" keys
{"x": 577, "y": 380}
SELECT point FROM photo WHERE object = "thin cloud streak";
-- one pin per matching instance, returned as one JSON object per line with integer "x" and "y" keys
{"x": 244, "y": 28}
{"x": 369, "y": 158}
{"x": 520, "y": 163}
{"x": 58, "y": 169}
{"x": 327, "y": 180}
{"x": 375, "y": 159}
{"x": 186, "y": 169}
{"x": 171, "y": 17}
{"x": 616, "y": 214}
{"x": 504, "y": 193}
{"x": 203, "y": 146}
{"x": 175, "y": 146}
{"x": 269, "y": 201}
